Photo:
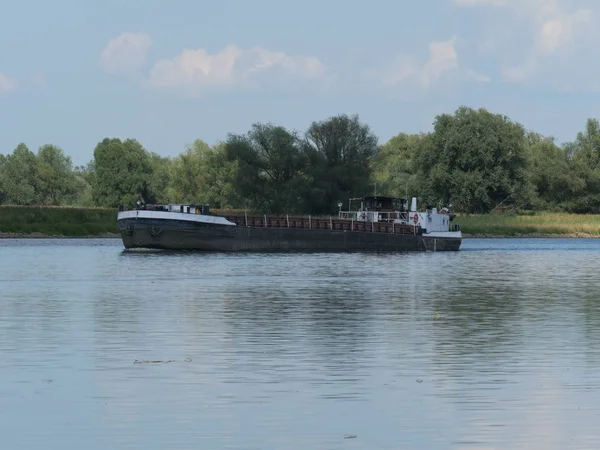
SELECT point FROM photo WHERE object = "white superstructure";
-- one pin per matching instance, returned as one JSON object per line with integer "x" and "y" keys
{"x": 183, "y": 212}
{"x": 167, "y": 215}
{"x": 433, "y": 222}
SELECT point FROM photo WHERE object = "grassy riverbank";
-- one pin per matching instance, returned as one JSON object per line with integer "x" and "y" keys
{"x": 21, "y": 221}
{"x": 530, "y": 225}
{"x": 36, "y": 221}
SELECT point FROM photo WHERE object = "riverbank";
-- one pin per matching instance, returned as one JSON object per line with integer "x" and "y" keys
{"x": 56, "y": 236}
{"x": 529, "y": 236}
{"x": 534, "y": 225}
{"x": 38, "y": 222}
{"x": 56, "y": 222}
{"x": 465, "y": 236}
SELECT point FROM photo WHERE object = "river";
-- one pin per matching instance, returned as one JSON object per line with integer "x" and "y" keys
{"x": 496, "y": 346}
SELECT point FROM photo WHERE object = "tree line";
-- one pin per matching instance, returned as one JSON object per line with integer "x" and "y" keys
{"x": 474, "y": 160}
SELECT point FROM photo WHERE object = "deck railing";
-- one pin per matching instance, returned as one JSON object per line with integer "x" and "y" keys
{"x": 374, "y": 216}
{"x": 321, "y": 223}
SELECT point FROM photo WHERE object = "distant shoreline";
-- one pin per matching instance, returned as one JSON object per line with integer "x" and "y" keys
{"x": 4, "y": 235}
{"x": 32, "y": 222}
{"x": 531, "y": 236}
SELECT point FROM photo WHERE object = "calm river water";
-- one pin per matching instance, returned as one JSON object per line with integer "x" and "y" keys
{"x": 493, "y": 347}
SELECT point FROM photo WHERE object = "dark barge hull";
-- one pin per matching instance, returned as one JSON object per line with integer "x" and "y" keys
{"x": 184, "y": 235}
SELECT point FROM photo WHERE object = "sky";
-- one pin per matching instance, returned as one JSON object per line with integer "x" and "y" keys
{"x": 73, "y": 72}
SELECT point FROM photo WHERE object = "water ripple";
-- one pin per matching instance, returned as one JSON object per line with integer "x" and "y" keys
{"x": 493, "y": 347}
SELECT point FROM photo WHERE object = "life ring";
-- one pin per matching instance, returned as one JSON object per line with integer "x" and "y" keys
{"x": 416, "y": 218}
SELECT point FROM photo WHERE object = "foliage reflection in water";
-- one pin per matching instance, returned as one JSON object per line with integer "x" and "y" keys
{"x": 495, "y": 347}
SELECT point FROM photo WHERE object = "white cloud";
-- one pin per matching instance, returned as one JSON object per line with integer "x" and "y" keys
{"x": 553, "y": 26}
{"x": 6, "y": 84}
{"x": 126, "y": 53}
{"x": 402, "y": 69}
{"x": 520, "y": 72}
{"x": 194, "y": 71}
{"x": 555, "y": 34}
{"x": 558, "y": 30}
{"x": 300, "y": 66}
{"x": 195, "y": 68}
{"x": 442, "y": 58}
{"x": 480, "y": 78}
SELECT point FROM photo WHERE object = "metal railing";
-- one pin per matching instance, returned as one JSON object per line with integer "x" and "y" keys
{"x": 373, "y": 216}
{"x": 321, "y": 223}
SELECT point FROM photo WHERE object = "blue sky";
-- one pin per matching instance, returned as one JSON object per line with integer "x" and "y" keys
{"x": 166, "y": 73}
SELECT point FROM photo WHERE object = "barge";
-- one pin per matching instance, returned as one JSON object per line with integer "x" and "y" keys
{"x": 382, "y": 224}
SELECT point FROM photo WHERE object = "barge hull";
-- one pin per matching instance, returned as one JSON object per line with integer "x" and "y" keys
{"x": 184, "y": 235}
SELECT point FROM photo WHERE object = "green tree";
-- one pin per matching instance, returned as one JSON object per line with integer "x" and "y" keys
{"x": 19, "y": 177}
{"x": 57, "y": 183}
{"x": 220, "y": 173}
{"x": 2, "y": 191}
{"x": 123, "y": 171}
{"x": 84, "y": 180}
{"x": 534, "y": 137}
{"x": 186, "y": 174}
{"x": 203, "y": 174}
{"x": 270, "y": 165}
{"x": 584, "y": 169}
{"x": 552, "y": 176}
{"x": 587, "y": 144}
{"x": 477, "y": 161}
{"x": 339, "y": 150}
{"x": 394, "y": 168}
{"x": 160, "y": 180}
